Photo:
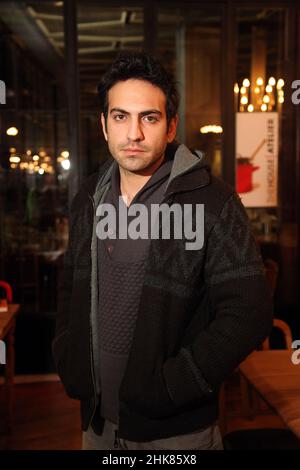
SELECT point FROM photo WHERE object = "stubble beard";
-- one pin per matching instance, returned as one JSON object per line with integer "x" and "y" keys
{"x": 138, "y": 164}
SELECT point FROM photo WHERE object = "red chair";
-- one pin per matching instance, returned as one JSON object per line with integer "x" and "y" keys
{"x": 8, "y": 291}
{"x": 7, "y": 335}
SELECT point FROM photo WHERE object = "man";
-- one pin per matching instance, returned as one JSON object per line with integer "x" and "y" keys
{"x": 148, "y": 327}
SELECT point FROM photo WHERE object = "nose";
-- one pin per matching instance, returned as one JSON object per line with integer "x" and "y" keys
{"x": 135, "y": 133}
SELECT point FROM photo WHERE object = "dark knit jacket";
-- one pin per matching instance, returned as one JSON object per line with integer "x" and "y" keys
{"x": 201, "y": 311}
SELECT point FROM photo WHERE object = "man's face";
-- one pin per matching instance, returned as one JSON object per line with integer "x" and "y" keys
{"x": 136, "y": 130}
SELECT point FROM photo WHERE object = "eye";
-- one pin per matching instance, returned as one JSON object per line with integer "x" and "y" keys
{"x": 119, "y": 117}
{"x": 150, "y": 119}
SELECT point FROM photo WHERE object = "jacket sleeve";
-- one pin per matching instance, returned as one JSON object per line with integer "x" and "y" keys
{"x": 240, "y": 301}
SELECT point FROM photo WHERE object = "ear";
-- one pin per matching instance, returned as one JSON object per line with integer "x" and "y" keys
{"x": 104, "y": 126}
{"x": 172, "y": 129}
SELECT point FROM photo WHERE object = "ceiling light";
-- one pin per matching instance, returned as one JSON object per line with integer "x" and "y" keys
{"x": 13, "y": 131}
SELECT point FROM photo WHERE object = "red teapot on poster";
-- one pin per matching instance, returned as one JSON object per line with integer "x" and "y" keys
{"x": 245, "y": 169}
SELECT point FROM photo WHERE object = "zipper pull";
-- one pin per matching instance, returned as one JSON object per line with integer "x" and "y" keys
{"x": 116, "y": 445}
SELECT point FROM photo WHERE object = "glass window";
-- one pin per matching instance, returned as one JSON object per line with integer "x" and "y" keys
{"x": 260, "y": 106}
{"x": 188, "y": 43}
{"x": 33, "y": 135}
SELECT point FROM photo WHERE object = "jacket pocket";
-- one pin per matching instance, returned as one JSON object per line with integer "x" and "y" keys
{"x": 148, "y": 395}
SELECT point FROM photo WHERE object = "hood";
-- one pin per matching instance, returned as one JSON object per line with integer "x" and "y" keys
{"x": 189, "y": 170}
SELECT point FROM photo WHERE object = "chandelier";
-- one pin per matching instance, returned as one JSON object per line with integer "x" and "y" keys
{"x": 259, "y": 96}
{"x": 37, "y": 162}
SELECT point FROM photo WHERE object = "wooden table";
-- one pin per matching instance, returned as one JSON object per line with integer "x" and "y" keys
{"x": 277, "y": 380}
{"x": 7, "y": 330}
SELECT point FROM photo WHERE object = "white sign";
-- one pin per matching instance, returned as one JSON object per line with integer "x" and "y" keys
{"x": 257, "y": 158}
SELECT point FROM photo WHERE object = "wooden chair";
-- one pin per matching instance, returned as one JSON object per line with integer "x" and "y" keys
{"x": 286, "y": 332}
{"x": 250, "y": 399}
{"x": 8, "y": 291}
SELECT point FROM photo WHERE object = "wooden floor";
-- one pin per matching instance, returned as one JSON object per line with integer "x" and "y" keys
{"x": 46, "y": 419}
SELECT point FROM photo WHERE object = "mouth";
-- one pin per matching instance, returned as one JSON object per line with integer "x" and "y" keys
{"x": 133, "y": 150}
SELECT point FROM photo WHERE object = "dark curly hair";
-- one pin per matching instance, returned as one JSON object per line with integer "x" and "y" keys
{"x": 141, "y": 66}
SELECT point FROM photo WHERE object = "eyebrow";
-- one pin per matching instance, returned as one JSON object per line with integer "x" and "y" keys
{"x": 143, "y": 113}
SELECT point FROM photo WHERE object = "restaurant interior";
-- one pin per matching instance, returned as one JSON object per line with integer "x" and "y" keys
{"x": 236, "y": 63}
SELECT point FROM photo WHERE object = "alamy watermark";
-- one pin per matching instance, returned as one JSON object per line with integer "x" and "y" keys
{"x": 177, "y": 221}
{"x": 2, "y": 92}
{"x": 296, "y": 354}
{"x": 296, "y": 95}
{"x": 2, "y": 352}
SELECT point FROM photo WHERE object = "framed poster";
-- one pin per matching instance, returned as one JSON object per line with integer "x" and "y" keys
{"x": 257, "y": 158}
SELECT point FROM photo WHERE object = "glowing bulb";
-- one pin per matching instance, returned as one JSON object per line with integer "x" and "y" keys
{"x": 264, "y": 107}
{"x": 246, "y": 82}
{"x": 280, "y": 83}
{"x": 13, "y": 131}
{"x": 243, "y": 90}
{"x": 41, "y": 171}
{"x": 266, "y": 99}
{"x": 281, "y": 99}
{"x": 256, "y": 90}
{"x": 65, "y": 154}
{"x": 236, "y": 90}
{"x": 272, "y": 81}
{"x": 250, "y": 108}
{"x": 259, "y": 81}
{"x": 66, "y": 164}
{"x": 14, "y": 159}
{"x": 244, "y": 100}
{"x": 211, "y": 128}
{"x": 269, "y": 89}
{"x": 35, "y": 158}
